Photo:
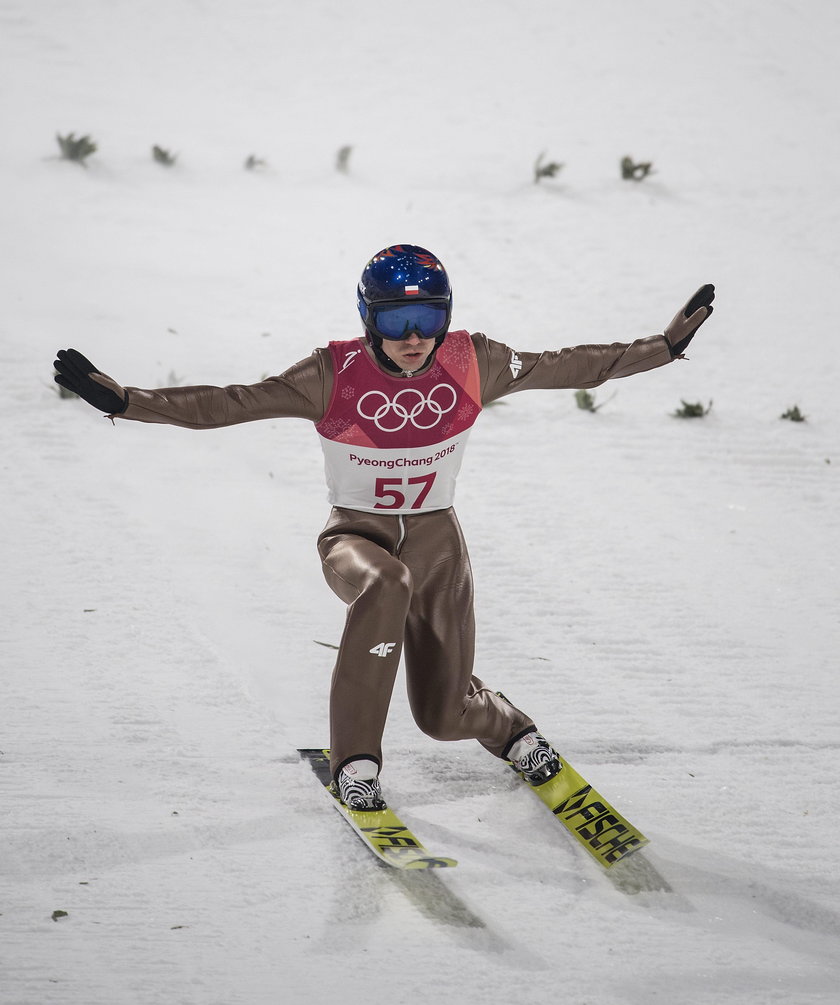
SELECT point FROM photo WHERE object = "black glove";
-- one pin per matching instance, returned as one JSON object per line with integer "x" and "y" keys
{"x": 80, "y": 376}
{"x": 685, "y": 324}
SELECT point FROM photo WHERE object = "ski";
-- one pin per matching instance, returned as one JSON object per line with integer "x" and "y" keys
{"x": 596, "y": 824}
{"x": 381, "y": 830}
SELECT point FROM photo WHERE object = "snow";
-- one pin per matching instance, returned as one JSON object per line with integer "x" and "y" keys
{"x": 659, "y": 593}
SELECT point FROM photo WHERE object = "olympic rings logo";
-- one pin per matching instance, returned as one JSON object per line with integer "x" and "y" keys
{"x": 408, "y": 405}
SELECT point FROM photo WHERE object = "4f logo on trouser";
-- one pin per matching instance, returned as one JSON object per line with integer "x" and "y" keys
{"x": 383, "y": 649}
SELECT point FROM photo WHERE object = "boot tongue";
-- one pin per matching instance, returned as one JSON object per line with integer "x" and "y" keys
{"x": 364, "y": 769}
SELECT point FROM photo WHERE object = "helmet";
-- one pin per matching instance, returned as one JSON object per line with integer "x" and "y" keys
{"x": 404, "y": 289}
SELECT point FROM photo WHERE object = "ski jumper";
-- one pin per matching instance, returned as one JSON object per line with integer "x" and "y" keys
{"x": 392, "y": 548}
{"x": 392, "y": 448}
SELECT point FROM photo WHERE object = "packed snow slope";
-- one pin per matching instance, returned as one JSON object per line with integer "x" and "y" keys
{"x": 660, "y": 593}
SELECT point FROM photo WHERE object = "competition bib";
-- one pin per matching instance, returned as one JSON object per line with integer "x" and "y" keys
{"x": 395, "y": 444}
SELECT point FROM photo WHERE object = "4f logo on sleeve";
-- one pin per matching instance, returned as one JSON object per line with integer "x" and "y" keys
{"x": 515, "y": 364}
{"x": 383, "y": 649}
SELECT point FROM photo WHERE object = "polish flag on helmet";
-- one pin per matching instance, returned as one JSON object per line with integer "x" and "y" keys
{"x": 412, "y": 291}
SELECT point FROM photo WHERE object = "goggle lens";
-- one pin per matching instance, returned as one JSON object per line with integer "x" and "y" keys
{"x": 400, "y": 320}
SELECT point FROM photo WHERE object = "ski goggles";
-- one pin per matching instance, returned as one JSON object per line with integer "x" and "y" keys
{"x": 398, "y": 320}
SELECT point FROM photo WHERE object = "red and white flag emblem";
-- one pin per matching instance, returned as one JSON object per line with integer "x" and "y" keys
{"x": 412, "y": 291}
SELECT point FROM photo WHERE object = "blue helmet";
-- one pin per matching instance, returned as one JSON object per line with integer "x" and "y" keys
{"x": 404, "y": 289}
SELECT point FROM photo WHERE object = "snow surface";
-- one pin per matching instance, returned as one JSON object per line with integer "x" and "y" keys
{"x": 660, "y": 594}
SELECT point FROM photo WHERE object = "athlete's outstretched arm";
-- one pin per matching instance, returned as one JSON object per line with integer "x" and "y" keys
{"x": 505, "y": 370}
{"x": 302, "y": 391}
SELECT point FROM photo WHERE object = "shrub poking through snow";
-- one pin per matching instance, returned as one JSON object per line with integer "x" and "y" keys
{"x": 75, "y": 148}
{"x": 548, "y": 170}
{"x": 252, "y": 162}
{"x": 164, "y": 157}
{"x": 342, "y": 159}
{"x": 793, "y": 414}
{"x": 692, "y": 411}
{"x": 632, "y": 171}
{"x": 586, "y": 401}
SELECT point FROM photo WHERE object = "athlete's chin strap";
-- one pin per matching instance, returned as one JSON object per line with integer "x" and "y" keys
{"x": 375, "y": 343}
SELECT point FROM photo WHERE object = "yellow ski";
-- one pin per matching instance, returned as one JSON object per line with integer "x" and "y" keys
{"x": 381, "y": 830}
{"x": 596, "y": 824}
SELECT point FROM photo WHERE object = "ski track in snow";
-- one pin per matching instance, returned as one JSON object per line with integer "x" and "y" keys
{"x": 660, "y": 594}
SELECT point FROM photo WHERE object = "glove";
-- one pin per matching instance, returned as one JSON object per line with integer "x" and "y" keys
{"x": 685, "y": 324}
{"x": 80, "y": 376}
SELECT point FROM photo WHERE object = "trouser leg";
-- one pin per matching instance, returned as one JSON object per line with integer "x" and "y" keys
{"x": 447, "y": 700}
{"x": 377, "y": 588}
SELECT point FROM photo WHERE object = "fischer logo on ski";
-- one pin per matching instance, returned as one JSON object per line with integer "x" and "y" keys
{"x": 381, "y": 830}
{"x": 606, "y": 833}
{"x": 596, "y": 824}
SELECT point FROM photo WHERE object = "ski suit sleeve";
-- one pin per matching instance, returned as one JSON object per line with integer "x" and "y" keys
{"x": 505, "y": 371}
{"x": 302, "y": 391}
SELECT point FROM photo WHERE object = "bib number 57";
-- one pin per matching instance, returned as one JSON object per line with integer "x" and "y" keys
{"x": 396, "y": 491}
